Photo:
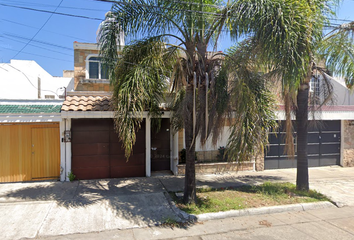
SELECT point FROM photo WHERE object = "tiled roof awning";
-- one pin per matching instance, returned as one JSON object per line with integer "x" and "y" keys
{"x": 13, "y": 109}
{"x": 87, "y": 103}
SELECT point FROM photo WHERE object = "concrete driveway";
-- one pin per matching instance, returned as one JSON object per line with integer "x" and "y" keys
{"x": 35, "y": 209}
{"x": 38, "y": 209}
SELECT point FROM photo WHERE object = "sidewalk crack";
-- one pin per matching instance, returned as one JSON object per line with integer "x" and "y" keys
{"x": 44, "y": 219}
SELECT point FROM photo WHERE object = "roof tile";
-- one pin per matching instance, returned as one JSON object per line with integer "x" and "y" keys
{"x": 87, "y": 103}
{"x": 30, "y": 108}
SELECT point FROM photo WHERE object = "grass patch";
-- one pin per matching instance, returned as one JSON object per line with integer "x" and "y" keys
{"x": 267, "y": 194}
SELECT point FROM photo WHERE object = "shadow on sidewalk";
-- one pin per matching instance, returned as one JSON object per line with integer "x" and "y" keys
{"x": 134, "y": 200}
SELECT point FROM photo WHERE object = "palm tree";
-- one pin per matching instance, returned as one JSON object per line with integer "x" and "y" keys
{"x": 291, "y": 42}
{"x": 174, "y": 39}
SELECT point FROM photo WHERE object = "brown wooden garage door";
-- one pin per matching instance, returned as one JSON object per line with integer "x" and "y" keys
{"x": 97, "y": 152}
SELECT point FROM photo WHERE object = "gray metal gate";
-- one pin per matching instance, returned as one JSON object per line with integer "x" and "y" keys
{"x": 323, "y": 146}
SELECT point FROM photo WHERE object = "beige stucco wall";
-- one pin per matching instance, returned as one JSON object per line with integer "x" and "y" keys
{"x": 214, "y": 168}
{"x": 348, "y": 144}
{"x": 80, "y": 56}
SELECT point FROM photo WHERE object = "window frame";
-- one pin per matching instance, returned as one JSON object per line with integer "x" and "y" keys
{"x": 87, "y": 72}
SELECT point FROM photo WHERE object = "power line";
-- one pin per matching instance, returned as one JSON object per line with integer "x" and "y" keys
{"x": 125, "y": 3}
{"x": 52, "y": 6}
{"x": 46, "y": 11}
{"x": 61, "y": 34}
{"x": 31, "y": 82}
{"x": 37, "y": 31}
{"x": 158, "y": 7}
{"x": 37, "y": 41}
{"x": 34, "y": 54}
{"x": 41, "y": 47}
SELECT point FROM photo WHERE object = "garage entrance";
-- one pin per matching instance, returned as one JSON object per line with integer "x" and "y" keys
{"x": 323, "y": 146}
{"x": 29, "y": 152}
{"x": 97, "y": 152}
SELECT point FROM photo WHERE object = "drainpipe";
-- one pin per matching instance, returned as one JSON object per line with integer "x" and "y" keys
{"x": 65, "y": 150}
{"x": 39, "y": 88}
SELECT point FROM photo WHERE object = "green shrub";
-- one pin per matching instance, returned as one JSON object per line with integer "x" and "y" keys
{"x": 221, "y": 157}
{"x": 71, "y": 176}
{"x": 182, "y": 156}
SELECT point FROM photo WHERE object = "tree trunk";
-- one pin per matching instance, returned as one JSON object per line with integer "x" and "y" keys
{"x": 302, "y": 176}
{"x": 189, "y": 180}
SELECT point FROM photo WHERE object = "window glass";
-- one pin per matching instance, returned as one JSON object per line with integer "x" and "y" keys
{"x": 93, "y": 70}
{"x": 104, "y": 72}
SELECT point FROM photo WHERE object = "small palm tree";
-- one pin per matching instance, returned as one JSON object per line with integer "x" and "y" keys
{"x": 172, "y": 55}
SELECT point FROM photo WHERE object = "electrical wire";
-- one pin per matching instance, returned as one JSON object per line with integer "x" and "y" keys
{"x": 61, "y": 34}
{"x": 37, "y": 31}
{"x": 122, "y": 3}
{"x": 37, "y": 41}
{"x": 46, "y": 11}
{"x": 41, "y": 47}
{"x": 34, "y": 54}
{"x": 30, "y": 80}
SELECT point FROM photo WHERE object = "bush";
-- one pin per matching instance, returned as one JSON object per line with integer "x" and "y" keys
{"x": 182, "y": 156}
{"x": 222, "y": 157}
{"x": 71, "y": 176}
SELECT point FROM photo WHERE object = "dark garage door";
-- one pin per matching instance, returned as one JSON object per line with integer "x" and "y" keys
{"x": 97, "y": 152}
{"x": 323, "y": 146}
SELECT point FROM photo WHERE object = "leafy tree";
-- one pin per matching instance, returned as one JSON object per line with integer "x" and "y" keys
{"x": 174, "y": 39}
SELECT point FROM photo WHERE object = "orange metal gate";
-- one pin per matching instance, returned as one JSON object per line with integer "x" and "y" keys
{"x": 29, "y": 152}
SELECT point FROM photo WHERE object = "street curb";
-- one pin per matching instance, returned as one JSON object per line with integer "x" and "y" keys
{"x": 262, "y": 210}
{"x": 185, "y": 217}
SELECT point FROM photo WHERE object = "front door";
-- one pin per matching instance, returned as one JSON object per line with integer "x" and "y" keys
{"x": 160, "y": 146}
{"x": 45, "y": 153}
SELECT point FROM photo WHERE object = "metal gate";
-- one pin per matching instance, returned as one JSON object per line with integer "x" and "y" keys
{"x": 323, "y": 146}
{"x": 98, "y": 153}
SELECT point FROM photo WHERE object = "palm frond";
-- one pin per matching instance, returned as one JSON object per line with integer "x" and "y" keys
{"x": 338, "y": 51}
{"x": 139, "y": 86}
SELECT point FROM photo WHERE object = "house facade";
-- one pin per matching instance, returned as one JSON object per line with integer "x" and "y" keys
{"x": 30, "y": 122}
{"x": 93, "y": 149}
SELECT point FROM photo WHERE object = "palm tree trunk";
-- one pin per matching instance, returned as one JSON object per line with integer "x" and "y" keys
{"x": 189, "y": 181}
{"x": 302, "y": 176}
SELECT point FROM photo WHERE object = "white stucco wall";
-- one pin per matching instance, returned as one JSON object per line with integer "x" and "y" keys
{"x": 342, "y": 95}
{"x": 19, "y": 80}
{"x": 209, "y": 146}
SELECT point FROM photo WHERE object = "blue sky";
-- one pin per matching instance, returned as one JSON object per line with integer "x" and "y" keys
{"x": 52, "y": 47}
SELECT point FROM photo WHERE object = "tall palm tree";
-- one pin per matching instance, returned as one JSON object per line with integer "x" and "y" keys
{"x": 173, "y": 48}
{"x": 292, "y": 43}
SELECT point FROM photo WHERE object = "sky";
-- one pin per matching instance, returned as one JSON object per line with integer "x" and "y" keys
{"x": 48, "y": 38}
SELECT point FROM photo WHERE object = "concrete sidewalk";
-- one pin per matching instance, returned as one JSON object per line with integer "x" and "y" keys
{"x": 328, "y": 224}
{"x": 335, "y": 182}
{"x": 39, "y": 209}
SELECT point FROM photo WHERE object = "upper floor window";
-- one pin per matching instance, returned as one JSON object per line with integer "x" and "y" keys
{"x": 315, "y": 89}
{"x": 96, "y": 69}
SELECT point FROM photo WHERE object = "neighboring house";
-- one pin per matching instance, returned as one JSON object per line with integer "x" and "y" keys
{"x": 330, "y": 137}
{"x": 23, "y": 79}
{"x": 29, "y": 140}
{"x": 30, "y": 122}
